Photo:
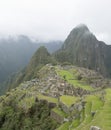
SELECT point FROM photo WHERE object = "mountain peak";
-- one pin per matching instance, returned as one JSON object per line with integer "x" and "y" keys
{"x": 79, "y": 33}
{"x": 82, "y": 48}
{"x": 82, "y": 26}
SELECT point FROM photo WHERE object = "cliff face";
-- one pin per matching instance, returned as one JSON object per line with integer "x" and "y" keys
{"x": 83, "y": 49}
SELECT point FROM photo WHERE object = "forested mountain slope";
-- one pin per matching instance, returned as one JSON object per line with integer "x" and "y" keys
{"x": 82, "y": 48}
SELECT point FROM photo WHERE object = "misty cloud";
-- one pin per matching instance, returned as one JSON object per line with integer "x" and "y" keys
{"x": 54, "y": 19}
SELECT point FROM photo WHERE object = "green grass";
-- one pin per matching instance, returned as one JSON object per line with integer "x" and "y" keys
{"x": 66, "y": 73}
{"x": 68, "y": 100}
{"x": 94, "y": 103}
{"x": 64, "y": 126}
{"x": 49, "y": 99}
{"x": 102, "y": 117}
{"x": 74, "y": 123}
{"x": 59, "y": 112}
{"x": 82, "y": 85}
{"x": 72, "y": 79}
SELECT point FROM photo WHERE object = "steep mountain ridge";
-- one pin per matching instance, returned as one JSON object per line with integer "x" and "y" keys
{"x": 14, "y": 55}
{"x": 40, "y": 58}
{"x": 83, "y": 49}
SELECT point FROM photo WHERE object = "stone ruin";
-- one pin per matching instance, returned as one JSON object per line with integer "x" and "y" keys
{"x": 94, "y": 128}
{"x": 53, "y": 85}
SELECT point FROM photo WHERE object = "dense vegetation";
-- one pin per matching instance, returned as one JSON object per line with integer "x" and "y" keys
{"x": 21, "y": 111}
{"x": 27, "y": 107}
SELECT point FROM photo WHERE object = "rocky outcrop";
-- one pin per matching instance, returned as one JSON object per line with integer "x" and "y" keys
{"x": 68, "y": 109}
{"x": 49, "y": 103}
{"x": 64, "y": 107}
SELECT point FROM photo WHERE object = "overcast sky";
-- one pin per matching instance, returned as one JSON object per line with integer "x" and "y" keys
{"x": 54, "y": 19}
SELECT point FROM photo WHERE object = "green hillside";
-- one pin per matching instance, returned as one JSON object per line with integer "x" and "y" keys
{"x": 62, "y": 99}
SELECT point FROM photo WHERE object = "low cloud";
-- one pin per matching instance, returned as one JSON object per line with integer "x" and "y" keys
{"x": 104, "y": 37}
{"x": 54, "y": 19}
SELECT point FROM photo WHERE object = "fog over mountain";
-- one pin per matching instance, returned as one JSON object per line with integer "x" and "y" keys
{"x": 83, "y": 49}
{"x": 53, "y": 19}
{"x": 15, "y": 53}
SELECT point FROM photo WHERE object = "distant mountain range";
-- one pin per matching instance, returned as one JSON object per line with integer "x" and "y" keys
{"x": 81, "y": 48}
{"x": 16, "y": 53}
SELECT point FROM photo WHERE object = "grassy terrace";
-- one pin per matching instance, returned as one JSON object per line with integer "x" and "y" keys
{"x": 103, "y": 117}
{"x": 94, "y": 104}
{"x": 72, "y": 79}
{"x": 49, "y": 99}
{"x": 68, "y": 100}
{"x": 59, "y": 112}
{"x": 64, "y": 126}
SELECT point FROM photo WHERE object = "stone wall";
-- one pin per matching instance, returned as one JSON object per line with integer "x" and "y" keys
{"x": 50, "y": 104}
{"x": 64, "y": 107}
